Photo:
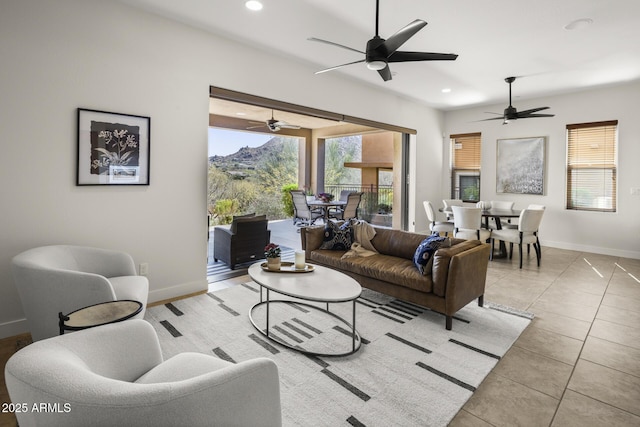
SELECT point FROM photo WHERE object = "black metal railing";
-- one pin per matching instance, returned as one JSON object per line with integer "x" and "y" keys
{"x": 376, "y": 205}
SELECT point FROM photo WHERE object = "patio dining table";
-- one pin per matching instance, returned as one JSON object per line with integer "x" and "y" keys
{"x": 325, "y": 206}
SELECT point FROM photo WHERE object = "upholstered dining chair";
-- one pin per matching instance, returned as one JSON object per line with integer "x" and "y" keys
{"x": 467, "y": 224}
{"x": 65, "y": 278}
{"x": 515, "y": 226}
{"x": 526, "y": 233}
{"x": 448, "y": 203}
{"x": 115, "y": 375}
{"x": 445, "y": 227}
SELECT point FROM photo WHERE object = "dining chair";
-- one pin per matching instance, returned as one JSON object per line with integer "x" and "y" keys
{"x": 467, "y": 224}
{"x": 499, "y": 204}
{"x": 515, "y": 226}
{"x": 336, "y": 211}
{"x": 526, "y": 233}
{"x": 448, "y": 203}
{"x": 302, "y": 214}
{"x": 350, "y": 210}
{"x": 445, "y": 227}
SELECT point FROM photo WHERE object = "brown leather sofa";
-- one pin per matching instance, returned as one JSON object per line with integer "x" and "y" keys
{"x": 458, "y": 275}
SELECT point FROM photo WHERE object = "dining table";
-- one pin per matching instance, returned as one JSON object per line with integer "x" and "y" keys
{"x": 326, "y": 205}
{"x": 496, "y": 214}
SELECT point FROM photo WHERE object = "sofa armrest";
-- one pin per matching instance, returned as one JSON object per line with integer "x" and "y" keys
{"x": 467, "y": 277}
{"x": 470, "y": 258}
{"x": 311, "y": 238}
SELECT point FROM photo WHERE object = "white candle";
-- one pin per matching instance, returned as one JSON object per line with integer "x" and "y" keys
{"x": 300, "y": 260}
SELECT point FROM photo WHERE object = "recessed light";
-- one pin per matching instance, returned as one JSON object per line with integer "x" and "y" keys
{"x": 241, "y": 114}
{"x": 446, "y": 90}
{"x": 253, "y": 5}
{"x": 578, "y": 24}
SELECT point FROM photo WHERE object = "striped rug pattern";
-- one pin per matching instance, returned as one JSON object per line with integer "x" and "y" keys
{"x": 410, "y": 371}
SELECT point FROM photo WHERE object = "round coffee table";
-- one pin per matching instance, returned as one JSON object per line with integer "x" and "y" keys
{"x": 99, "y": 314}
{"x": 322, "y": 285}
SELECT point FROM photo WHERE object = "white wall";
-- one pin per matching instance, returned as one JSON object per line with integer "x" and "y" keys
{"x": 608, "y": 233}
{"x": 58, "y": 56}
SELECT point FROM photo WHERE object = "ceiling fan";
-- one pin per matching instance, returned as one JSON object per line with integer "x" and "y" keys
{"x": 380, "y": 52}
{"x": 274, "y": 125}
{"x": 511, "y": 113}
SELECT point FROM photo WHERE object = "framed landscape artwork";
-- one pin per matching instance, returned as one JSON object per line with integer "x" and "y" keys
{"x": 520, "y": 165}
{"x": 113, "y": 148}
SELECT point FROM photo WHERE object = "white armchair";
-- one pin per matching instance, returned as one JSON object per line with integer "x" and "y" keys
{"x": 114, "y": 375}
{"x": 61, "y": 278}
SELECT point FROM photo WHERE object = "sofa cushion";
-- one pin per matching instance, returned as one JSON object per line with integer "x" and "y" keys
{"x": 246, "y": 218}
{"x": 381, "y": 267}
{"x": 423, "y": 258}
{"x": 337, "y": 237}
{"x": 397, "y": 243}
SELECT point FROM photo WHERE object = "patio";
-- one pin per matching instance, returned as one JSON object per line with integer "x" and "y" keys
{"x": 283, "y": 233}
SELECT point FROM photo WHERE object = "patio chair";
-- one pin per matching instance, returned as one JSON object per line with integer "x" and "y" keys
{"x": 350, "y": 210}
{"x": 242, "y": 241}
{"x": 302, "y": 214}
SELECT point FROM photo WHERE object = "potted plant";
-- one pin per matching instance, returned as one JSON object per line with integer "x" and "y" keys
{"x": 325, "y": 197}
{"x": 272, "y": 253}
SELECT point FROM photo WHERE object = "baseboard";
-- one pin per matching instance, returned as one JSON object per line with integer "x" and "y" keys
{"x": 13, "y": 328}
{"x": 178, "y": 290}
{"x": 593, "y": 249}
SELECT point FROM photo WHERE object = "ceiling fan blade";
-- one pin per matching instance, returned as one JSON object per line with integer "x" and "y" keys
{"x": 338, "y": 66}
{"x": 491, "y": 112}
{"x": 533, "y": 110}
{"x": 389, "y": 46}
{"x": 492, "y": 118}
{"x": 534, "y": 115}
{"x": 421, "y": 56}
{"x": 385, "y": 73}
{"x": 287, "y": 126}
{"x": 313, "y": 39}
{"x": 256, "y": 127}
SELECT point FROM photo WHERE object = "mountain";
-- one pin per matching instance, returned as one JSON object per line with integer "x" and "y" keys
{"x": 238, "y": 163}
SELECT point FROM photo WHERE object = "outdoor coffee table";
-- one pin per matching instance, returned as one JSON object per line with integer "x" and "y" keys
{"x": 322, "y": 285}
{"x": 98, "y": 315}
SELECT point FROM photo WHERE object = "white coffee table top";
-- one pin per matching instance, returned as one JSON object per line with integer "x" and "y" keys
{"x": 322, "y": 284}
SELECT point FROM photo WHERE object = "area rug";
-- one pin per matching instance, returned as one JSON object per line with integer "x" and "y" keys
{"x": 409, "y": 371}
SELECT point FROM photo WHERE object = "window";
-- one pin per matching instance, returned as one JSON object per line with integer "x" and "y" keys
{"x": 465, "y": 167}
{"x": 591, "y": 166}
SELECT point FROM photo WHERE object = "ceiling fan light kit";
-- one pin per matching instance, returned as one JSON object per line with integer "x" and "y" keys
{"x": 380, "y": 52}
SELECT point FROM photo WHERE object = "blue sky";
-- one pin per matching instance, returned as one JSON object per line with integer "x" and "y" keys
{"x": 223, "y": 142}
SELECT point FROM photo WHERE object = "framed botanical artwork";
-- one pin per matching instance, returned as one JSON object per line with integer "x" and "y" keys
{"x": 520, "y": 165}
{"x": 113, "y": 148}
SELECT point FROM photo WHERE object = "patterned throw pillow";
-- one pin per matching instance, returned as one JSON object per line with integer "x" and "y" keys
{"x": 337, "y": 237}
{"x": 423, "y": 258}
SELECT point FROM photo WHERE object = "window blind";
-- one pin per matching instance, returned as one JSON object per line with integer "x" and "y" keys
{"x": 591, "y": 166}
{"x": 465, "y": 166}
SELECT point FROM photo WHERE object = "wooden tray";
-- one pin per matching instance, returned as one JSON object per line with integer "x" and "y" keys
{"x": 288, "y": 267}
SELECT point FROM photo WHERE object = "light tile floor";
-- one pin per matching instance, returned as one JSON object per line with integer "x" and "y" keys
{"x": 578, "y": 363}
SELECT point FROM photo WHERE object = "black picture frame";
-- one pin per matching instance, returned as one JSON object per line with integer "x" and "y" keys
{"x": 113, "y": 148}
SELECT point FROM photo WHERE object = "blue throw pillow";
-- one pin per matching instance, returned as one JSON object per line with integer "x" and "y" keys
{"x": 337, "y": 237}
{"x": 423, "y": 258}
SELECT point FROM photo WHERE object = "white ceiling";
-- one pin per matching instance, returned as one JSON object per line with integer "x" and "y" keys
{"x": 493, "y": 38}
